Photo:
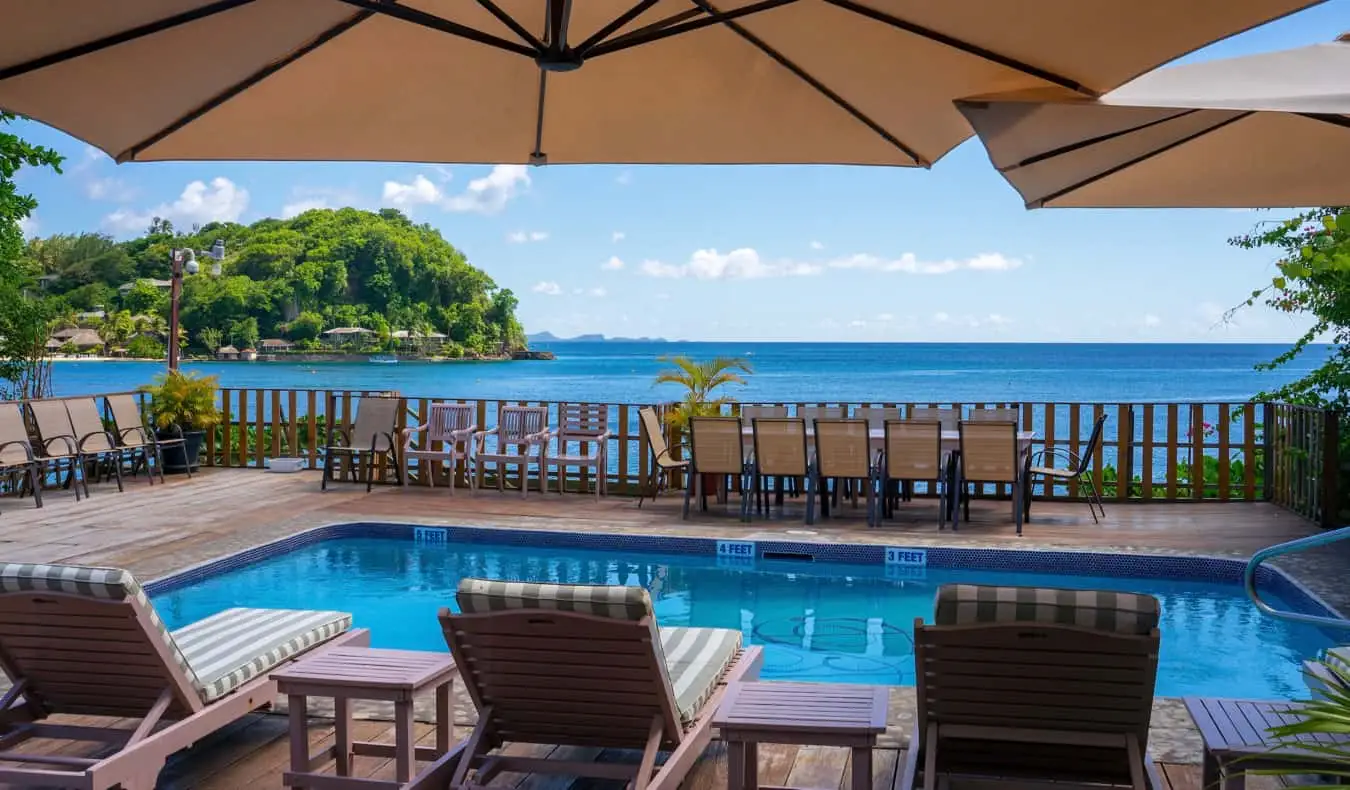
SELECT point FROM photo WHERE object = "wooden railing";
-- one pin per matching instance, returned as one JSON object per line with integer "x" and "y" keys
{"x": 1305, "y": 474}
{"x": 1164, "y": 452}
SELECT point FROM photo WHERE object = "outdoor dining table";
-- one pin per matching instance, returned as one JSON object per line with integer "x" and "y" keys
{"x": 951, "y": 440}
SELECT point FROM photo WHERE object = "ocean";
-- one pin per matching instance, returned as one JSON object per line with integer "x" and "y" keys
{"x": 620, "y": 372}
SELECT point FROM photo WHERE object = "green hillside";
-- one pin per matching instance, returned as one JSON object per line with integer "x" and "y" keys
{"x": 289, "y": 279}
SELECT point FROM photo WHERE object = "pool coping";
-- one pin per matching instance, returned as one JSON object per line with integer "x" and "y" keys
{"x": 900, "y": 562}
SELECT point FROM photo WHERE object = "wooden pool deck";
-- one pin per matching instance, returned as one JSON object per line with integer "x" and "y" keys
{"x": 157, "y": 530}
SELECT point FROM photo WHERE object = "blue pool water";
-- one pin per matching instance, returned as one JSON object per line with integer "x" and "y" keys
{"x": 817, "y": 621}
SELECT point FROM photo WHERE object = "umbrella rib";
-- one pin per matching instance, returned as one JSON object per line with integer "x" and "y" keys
{"x": 1040, "y": 202}
{"x": 820, "y": 87}
{"x": 244, "y": 84}
{"x": 623, "y": 19}
{"x": 964, "y": 46}
{"x": 440, "y": 24}
{"x": 1091, "y": 141}
{"x": 677, "y": 24}
{"x": 510, "y": 21}
{"x": 1331, "y": 118}
{"x": 538, "y": 156}
{"x": 122, "y": 37}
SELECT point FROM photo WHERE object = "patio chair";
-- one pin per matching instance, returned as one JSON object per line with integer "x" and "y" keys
{"x": 1034, "y": 684}
{"x": 947, "y": 417}
{"x": 449, "y": 431}
{"x": 876, "y": 416}
{"x": 16, "y": 452}
{"x": 57, "y": 443}
{"x": 565, "y": 665}
{"x": 989, "y": 454}
{"x": 716, "y": 449}
{"x": 93, "y": 440}
{"x": 1078, "y": 471}
{"x": 750, "y": 412}
{"x": 780, "y": 453}
{"x": 912, "y": 451}
{"x": 520, "y": 439}
{"x": 586, "y": 427}
{"x": 664, "y": 461}
{"x": 371, "y": 438}
{"x": 844, "y": 453}
{"x": 995, "y": 414}
{"x": 812, "y": 413}
{"x": 138, "y": 442}
{"x": 87, "y": 642}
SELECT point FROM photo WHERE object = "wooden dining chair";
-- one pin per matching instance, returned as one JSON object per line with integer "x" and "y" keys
{"x": 989, "y": 454}
{"x": 912, "y": 452}
{"x": 716, "y": 449}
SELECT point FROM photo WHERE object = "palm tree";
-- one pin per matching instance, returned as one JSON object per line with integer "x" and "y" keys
{"x": 700, "y": 378}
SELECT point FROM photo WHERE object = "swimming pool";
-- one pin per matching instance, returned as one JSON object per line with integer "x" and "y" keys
{"x": 849, "y": 621}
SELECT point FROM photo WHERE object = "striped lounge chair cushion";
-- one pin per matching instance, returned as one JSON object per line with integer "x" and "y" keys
{"x": 105, "y": 584}
{"x": 486, "y": 595}
{"x": 231, "y": 648}
{"x": 695, "y": 658}
{"x": 1124, "y": 613}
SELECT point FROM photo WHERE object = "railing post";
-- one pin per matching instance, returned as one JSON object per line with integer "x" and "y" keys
{"x": 1268, "y": 451}
{"x": 1331, "y": 468}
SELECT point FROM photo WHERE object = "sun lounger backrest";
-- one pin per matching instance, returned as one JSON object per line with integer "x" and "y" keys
{"x": 12, "y": 429}
{"x": 87, "y": 641}
{"x": 563, "y": 664}
{"x": 54, "y": 429}
{"x": 88, "y": 425}
{"x": 375, "y": 418}
{"x": 127, "y": 416}
{"x": 1079, "y": 661}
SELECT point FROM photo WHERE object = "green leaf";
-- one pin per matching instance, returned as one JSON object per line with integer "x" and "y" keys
{"x": 1343, "y": 220}
{"x": 1278, "y": 282}
{"x": 1257, "y": 293}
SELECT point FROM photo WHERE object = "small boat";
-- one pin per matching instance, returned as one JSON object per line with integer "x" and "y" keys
{"x": 383, "y": 360}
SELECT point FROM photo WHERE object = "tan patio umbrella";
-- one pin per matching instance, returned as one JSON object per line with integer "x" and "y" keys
{"x": 1269, "y": 130}
{"x": 624, "y": 81}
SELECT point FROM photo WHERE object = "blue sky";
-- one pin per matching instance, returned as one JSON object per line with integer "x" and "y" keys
{"x": 760, "y": 253}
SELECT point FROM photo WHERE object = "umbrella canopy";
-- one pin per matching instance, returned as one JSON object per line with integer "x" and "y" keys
{"x": 1269, "y": 130}
{"x": 535, "y": 81}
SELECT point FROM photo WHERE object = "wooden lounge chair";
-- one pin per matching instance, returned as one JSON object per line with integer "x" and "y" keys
{"x": 93, "y": 440}
{"x": 519, "y": 439}
{"x": 16, "y": 452}
{"x": 86, "y": 641}
{"x": 583, "y": 666}
{"x": 449, "y": 433}
{"x": 665, "y": 461}
{"x": 57, "y": 441}
{"x": 371, "y": 438}
{"x": 1035, "y": 684}
{"x": 138, "y": 442}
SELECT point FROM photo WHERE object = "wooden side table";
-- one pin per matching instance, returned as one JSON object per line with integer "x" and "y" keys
{"x": 348, "y": 673}
{"x": 1239, "y": 730}
{"x": 807, "y": 714}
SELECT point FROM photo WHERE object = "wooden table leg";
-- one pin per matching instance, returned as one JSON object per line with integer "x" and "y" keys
{"x": 342, "y": 735}
{"x": 403, "y": 741}
{"x": 736, "y": 764}
{"x": 862, "y": 768}
{"x": 751, "y": 780}
{"x": 298, "y": 716}
{"x": 445, "y": 718}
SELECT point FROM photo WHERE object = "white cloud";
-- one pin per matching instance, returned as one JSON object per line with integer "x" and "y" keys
{"x": 547, "y": 288}
{"x": 521, "y": 237}
{"x": 486, "y": 195}
{"x": 1150, "y": 320}
{"x": 29, "y": 226}
{"x": 624, "y": 179}
{"x": 220, "y": 201}
{"x": 598, "y": 293}
{"x": 741, "y": 264}
{"x": 941, "y": 317}
{"x": 997, "y": 319}
{"x": 909, "y": 263}
{"x": 299, "y": 207}
{"x": 617, "y": 236}
{"x": 613, "y": 264}
{"x": 815, "y": 245}
{"x": 884, "y": 317}
{"x": 857, "y": 323}
{"x": 114, "y": 189}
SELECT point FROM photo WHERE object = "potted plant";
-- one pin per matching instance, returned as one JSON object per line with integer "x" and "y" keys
{"x": 183, "y": 406}
{"x": 700, "y": 379}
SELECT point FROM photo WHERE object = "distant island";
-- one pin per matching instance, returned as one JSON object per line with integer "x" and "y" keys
{"x": 549, "y": 337}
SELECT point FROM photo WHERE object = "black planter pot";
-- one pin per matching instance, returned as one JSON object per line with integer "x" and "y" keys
{"x": 177, "y": 456}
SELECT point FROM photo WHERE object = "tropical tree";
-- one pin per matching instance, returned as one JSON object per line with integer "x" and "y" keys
{"x": 211, "y": 338}
{"x": 700, "y": 380}
{"x": 244, "y": 333}
{"x": 117, "y": 328}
